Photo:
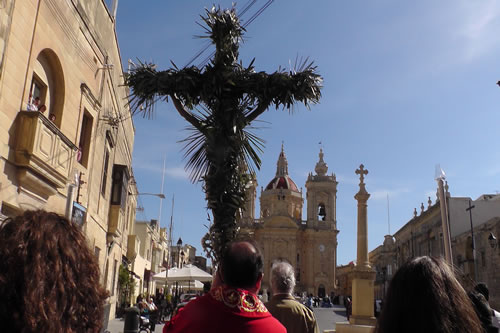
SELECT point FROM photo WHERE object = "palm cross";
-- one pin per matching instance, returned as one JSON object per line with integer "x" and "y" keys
{"x": 220, "y": 101}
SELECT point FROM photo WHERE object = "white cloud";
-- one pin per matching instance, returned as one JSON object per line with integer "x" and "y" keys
{"x": 479, "y": 30}
{"x": 177, "y": 172}
{"x": 174, "y": 172}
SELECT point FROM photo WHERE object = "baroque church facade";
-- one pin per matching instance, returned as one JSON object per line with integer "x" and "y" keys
{"x": 309, "y": 245}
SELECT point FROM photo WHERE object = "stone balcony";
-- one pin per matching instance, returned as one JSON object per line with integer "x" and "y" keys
{"x": 42, "y": 153}
{"x": 133, "y": 246}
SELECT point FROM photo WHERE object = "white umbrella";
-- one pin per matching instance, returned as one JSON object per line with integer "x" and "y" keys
{"x": 186, "y": 273}
{"x": 191, "y": 285}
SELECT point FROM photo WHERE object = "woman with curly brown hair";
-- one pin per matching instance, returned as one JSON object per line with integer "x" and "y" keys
{"x": 425, "y": 296}
{"x": 49, "y": 278}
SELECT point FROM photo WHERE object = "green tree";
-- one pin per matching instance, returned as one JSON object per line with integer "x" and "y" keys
{"x": 126, "y": 285}
{"x": 220, "y": 102}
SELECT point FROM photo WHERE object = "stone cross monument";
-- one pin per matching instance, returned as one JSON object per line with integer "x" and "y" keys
{"x": 363, "y": 276}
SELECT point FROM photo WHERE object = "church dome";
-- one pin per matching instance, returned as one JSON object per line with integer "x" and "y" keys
{"x": 282, "y": 180}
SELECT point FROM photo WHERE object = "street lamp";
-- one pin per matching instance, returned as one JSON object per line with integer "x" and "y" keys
{"x": 492, "y": 240}
{"x": 179, "y": 245}
{"x": 182, "y": 258}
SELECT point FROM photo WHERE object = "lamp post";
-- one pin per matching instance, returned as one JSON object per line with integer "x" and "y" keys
{"x": 159, "y": 195}
{"x": 179, "y": 245}
{"x": 182, "y": 255}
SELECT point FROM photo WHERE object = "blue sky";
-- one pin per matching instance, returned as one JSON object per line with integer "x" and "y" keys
{"x": 407, "y": 85}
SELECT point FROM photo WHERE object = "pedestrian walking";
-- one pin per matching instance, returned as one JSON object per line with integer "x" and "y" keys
{"x": 348, "y": 307}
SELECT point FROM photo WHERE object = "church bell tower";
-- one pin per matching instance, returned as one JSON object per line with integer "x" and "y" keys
{"x": 321, "y": 197}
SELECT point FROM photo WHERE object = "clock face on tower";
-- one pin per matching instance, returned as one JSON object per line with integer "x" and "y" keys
{"x": 321, "y": 248}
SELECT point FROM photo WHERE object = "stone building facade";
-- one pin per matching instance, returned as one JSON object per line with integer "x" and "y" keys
{"x": 423, "y": 235}
{"x": 309, "y": 245}
{"x": 75, "y": 157}
{"x": 151, "y": 255}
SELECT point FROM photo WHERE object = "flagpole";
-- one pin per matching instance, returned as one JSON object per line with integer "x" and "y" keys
{"x": 162, "y": 183}
{"x": 169, "y": 242}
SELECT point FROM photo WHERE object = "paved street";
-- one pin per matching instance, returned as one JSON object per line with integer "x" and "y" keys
{"x": 327, "y": 317}
{"x": 116, "y": 326}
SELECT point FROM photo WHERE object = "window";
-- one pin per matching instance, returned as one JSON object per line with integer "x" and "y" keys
{"x": 97, "y": 252}
{"x": 113, "y": 283}
{"x": 120, "y": 185}
{"x": 84, "y": 143}
{"x": 47, "y": 83}
{"x": 105, "y": 171}
{"x": 38, "y": 90}
{"x": 106, "y": 273}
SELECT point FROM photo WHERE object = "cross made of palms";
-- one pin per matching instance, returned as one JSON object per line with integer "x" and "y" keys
{"x": 220, "y": 102}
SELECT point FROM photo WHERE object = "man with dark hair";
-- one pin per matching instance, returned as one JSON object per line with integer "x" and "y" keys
{"x": 245, "y": 263}
{"x": 283, "y": 306}
{"x": 232, "y": 305}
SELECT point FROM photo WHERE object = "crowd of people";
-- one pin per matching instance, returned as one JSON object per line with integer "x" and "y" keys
{"x": 49, "y": 282}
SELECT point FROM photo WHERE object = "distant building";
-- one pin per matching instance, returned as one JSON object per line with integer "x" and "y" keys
{"x": 310, "y": 245}
{"x": 422, "y": 235}
{"x": 185, "y": 254}
{"x": 201, "y": 263}
{"x": 344, "y": 281}
{"x": 150, "y": 258}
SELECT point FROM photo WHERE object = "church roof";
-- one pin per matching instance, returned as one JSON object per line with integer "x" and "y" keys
{"x": 282, "y": 180}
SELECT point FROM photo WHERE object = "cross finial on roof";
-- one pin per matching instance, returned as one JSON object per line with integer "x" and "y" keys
{"x": 361, "y": 172}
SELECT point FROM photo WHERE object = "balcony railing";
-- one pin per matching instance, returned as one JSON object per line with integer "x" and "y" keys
{"x": 42, "y": 153}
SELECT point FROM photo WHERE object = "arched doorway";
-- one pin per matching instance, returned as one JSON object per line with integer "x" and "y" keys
{"x": 321, "y": 291}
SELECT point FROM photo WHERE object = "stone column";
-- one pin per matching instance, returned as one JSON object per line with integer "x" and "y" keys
{"x": 363, "y": 276}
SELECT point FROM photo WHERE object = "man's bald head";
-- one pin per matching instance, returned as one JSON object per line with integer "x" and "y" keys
{"x": 242, "y": 265}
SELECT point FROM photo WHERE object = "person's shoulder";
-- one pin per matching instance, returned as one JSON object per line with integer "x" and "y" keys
{"x": 271, "y": 324}
{"x": 305, "y": 311}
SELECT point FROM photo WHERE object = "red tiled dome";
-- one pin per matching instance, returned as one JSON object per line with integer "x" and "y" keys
{"x": 283, "y": 182}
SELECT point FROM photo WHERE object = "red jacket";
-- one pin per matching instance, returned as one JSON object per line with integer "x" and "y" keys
{"x": 222, "y": 310}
